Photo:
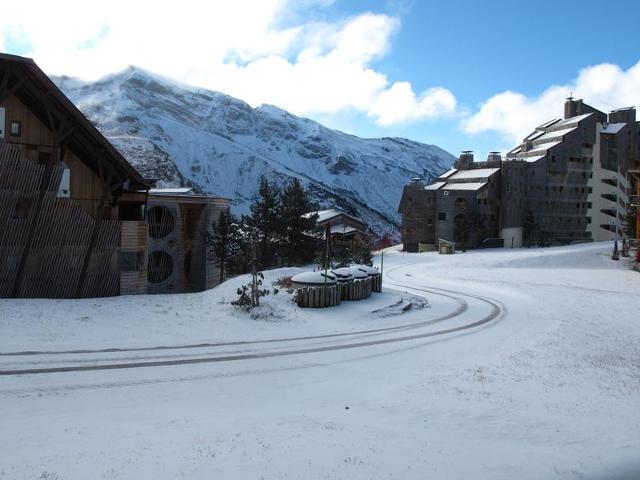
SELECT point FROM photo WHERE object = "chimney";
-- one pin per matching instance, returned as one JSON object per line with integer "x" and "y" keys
{"x": 494, "y": 157}
{"x": 465, "y": 160}
{"x": 572, "y": 108}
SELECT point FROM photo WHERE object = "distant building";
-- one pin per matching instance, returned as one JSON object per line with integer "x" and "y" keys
{"x": 570, "y": 176}
{"x": 76, "y": 219}
{"x": 461, "y": 206}
{"x": 343, "y": 227}
{"x": 570, "y": 180}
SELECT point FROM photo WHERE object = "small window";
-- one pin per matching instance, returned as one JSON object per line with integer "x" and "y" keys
{"x": 16, "y": 129}
{"x": 429, "y": 221}
{"x": 445, "y": 193}
{"x": 23, "y": 207}
{"x": 131, "y": 261}
{"x": 442, "y": 216}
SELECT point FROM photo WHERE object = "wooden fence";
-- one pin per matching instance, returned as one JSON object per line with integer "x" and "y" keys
{"x": 329, "y": 296}
{"x": 318, "y": 297}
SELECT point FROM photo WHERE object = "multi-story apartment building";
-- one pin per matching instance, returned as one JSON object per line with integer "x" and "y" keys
{"x": 568, "y": 181}
{"x": 462, "y": 205}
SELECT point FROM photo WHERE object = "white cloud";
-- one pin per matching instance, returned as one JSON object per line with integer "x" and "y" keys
{"x": 400, "y": 104}
{"x": 239, "y": 47}
{"x": 514, "y": 115}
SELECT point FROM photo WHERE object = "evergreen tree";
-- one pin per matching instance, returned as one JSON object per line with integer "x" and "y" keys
{"x": 226, "y": 240}
{"x": 629, "y": 228}
{"x": 294, "y": 227}
{"x": 265, "y": 217}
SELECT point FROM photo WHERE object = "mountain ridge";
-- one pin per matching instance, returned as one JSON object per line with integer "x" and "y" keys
{"x": 217, "y": 144}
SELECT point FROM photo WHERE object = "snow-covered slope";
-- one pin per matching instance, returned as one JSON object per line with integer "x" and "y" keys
{"x": 183, "y": 135}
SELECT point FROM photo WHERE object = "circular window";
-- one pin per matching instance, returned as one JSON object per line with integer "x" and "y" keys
{"x": 161, "y": 222}
{"x": 160, "y": 266}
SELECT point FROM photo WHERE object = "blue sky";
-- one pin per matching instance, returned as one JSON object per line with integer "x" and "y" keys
{"x": 462, "y": 75}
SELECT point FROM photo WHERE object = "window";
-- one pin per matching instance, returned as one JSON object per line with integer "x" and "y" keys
{"x": 16, "y": 129}
{"x": 23, "y": 207}
{"x": 131, "y": 261}
{"x": 445, "y": 193}
{"x": 429, "y": 221}
{"x": 461, "y": 203}
{"x": 442, "y": 216}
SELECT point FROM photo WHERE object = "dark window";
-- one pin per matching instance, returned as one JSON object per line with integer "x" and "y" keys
{"x": 429, "y": 221}
{"x": 442, "y": 216}
{"x": 16, "y": 129}
{"x": 43, "y": 158}
{"x": 461, "y": 203}
{"x": 131, "y": 261}
{"x": 23, "y": 207}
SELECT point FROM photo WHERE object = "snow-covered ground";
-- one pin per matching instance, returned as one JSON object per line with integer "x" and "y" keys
{"x": 547, "y": 385}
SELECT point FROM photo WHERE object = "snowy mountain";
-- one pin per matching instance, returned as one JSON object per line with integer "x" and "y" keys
{"x": 182, "y": 135}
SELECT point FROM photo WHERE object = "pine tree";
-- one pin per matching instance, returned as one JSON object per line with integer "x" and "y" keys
{"x": 294, "y": 227}
{"x": 265, "y": 213}
{"x": 629, "y": 228}
{"x": 225, "y": 240}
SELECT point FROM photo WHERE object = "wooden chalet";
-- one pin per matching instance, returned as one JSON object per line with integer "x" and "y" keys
{"x": 342, "y": 226}
{"x": 72, "y": 209}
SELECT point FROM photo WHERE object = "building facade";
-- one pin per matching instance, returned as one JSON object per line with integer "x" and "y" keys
{"x": 461, "y": 206}
{"x": 570, "y": 180}
{"x": 73, "y": 211}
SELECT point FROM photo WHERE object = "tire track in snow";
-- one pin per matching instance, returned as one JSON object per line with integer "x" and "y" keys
{"x": 496, "y": 310}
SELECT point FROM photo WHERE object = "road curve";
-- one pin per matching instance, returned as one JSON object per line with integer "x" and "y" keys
{"x": 496, "y": 310}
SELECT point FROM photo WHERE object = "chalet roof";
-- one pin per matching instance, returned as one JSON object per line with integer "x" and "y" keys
{"x": 324, "y": 215}
{"x": 552, "y": 135}
{"x": 47, "y": 102}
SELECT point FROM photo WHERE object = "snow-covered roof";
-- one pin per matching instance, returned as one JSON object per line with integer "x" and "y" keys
{"x": 367, "y": 269}
{"x": 548, "y": 124}
{"x": 613, "y": 127}
{"x": 343, "y": 229}
{"x": 572, "y": 120}
{"x": 435, "y": 186}
{"x": 549, "y": 136}
{"x": 464, "y": 186}
{"x": 357, "y": 273}
{"x": 323, "y": 214}
{"x": 475, "y": 173}
{"x": 171, "y": 191}
{"x": 528, "y": 159}
{"x": 316, "y": 278}
{"x": 448, "y": 173}
{"x": 534, "y": 135}
{"x": 343, "y": 273}
{"x": 542, "y": 148}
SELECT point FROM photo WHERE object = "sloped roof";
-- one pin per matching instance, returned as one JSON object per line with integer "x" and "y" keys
{"x": 613, "y": 128}
{"x": 464, "y": 186}
{"x": 473, "y": 173}
{"x": 85, "y": 140}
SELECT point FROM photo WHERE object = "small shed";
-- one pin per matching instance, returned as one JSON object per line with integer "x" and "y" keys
{"x": 446, "y": 247}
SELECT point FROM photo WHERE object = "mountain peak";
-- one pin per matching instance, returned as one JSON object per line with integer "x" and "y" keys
{"x": 218, "y": 144}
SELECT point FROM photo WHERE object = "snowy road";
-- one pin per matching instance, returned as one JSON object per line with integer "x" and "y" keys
{"x": 459, "y": 319}
{"x": 547, "y": 387}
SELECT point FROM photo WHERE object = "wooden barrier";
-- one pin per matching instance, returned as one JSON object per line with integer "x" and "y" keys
{"x": 329, "y": 296}
{"x": 376, "y": 283}
{"x": 318, "y": 297}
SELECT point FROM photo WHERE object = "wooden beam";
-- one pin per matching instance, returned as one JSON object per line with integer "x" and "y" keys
{"x": 107, "y": 189}
{"x": 5, "y": 90}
